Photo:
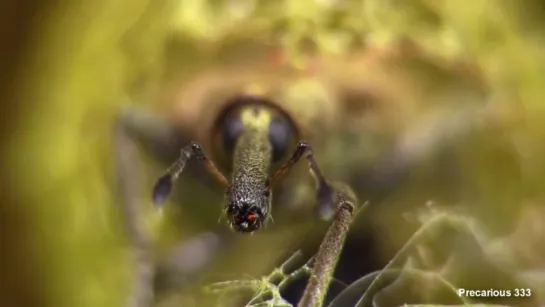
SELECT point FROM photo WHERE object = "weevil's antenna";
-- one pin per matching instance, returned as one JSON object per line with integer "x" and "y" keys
{"x": 163, "y": 186}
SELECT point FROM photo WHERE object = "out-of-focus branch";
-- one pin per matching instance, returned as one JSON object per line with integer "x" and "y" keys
{"x": 435, "y": 131}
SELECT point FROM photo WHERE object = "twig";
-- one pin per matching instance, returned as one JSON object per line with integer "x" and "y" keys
{"x": 330, "y": 250}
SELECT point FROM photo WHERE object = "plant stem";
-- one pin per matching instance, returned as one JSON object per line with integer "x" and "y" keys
{"x": 329, "y": 251}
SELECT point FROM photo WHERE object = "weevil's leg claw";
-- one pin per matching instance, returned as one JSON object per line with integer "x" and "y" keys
{"x": 162, "y": 189}
{"x": 325, "y": 199}
{"x": 330, "y": 196}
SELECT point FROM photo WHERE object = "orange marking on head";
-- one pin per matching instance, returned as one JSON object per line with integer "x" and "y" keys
{"x": 252, "y": 216}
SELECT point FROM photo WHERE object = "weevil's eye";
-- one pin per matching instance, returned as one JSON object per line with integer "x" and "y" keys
{"x": 281, "y": 131}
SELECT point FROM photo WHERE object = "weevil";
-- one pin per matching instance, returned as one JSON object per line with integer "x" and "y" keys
{"x": 250, "y": 132}
{"x": 255, "y": 132}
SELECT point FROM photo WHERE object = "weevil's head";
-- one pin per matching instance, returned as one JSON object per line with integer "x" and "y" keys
{"x": 245, "y": 210}
{"x": 228, "y": 127}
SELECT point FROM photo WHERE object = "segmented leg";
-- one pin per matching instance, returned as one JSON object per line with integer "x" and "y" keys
{"x": 163, "y": 140}
{"x": 163, "y": 186}
{"x": 325, "y": 193}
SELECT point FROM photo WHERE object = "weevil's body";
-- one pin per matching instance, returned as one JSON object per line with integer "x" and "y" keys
{"x": 252, "y": 130}
{"x": 248, "y": 198}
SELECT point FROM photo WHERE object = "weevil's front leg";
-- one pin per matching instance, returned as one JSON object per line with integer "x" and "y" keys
{"x": 163, "y": 186}
{"x": 325, "y": 192}
{"x": 163, "y": 139}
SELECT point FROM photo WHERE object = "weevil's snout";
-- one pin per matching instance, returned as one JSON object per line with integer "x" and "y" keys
{"x": 245, "y": 218}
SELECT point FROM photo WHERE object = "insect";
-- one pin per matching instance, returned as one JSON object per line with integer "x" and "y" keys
{"x": 255, "y": 132}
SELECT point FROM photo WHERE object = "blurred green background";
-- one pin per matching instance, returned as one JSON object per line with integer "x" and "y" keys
{"x": 68, "y": 67}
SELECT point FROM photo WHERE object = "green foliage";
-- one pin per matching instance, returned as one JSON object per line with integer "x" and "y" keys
{"x": 406, "y": 273}
{"x": 79, "y": 72}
